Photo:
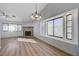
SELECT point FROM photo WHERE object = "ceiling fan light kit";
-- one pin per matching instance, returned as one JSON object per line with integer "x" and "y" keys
{"x": 36, "y": 15}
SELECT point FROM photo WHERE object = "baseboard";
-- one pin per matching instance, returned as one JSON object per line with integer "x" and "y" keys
{"x": 11, "y": 37}
{"x": 54, "y": 46}
{"x": 17, "y": 37}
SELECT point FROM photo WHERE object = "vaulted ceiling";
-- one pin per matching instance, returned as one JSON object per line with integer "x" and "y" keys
{"x": 22, "y": 11}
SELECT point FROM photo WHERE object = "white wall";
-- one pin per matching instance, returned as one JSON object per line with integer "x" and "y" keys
{"x": 53, "y": 10}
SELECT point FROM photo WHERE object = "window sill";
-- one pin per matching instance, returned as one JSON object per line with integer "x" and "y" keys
{"x": 61, "y": 39}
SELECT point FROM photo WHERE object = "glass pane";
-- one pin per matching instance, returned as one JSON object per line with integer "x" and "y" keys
{"x": 58, "y": 27}
{"x": 69, "y": 17}
{"x": 69, "y": 29}
{"x": 50, "y": 28}
{"x": 69, "y": 26}
{"x": 5, "y": 27}
{"x": 69, "y": 23}
{"x": 12, "y": 27}
{"x": 44, "y": 28}
{"x": 15, "y": 27}
{"x": 69, "y": 36}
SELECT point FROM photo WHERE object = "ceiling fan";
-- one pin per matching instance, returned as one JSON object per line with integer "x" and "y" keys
{"x": 36, "y": 15}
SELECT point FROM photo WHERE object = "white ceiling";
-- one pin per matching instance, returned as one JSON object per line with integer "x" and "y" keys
{"x": 22, "y": 11}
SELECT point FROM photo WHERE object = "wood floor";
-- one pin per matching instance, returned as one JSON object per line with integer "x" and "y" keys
{"x": 13, "y": 47}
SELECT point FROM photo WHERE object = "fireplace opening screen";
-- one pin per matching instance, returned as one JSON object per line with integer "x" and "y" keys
{"x": 27, "y": 33}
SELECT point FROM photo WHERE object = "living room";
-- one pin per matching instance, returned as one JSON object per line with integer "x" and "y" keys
{"x": 54, "y": 34}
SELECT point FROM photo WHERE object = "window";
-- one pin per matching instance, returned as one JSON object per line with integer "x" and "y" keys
{"x": 5, "y": 27}
{"x": 50, "y": 27}
{"x": 55, "y": 27}
{"x": 11, "y": 27}
{"x": 69, "y": 26}
{"x": 44, "y": 30}
{"x": 58, "y": 27}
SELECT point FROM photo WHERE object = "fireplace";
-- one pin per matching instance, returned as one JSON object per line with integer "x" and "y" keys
{"x": 27, "y": 33}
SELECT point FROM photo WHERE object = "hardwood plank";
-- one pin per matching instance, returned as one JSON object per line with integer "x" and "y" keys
{"x": 37, "y": 50}
{"x": 13, "y": 47}
{"x": 28, "y": 50}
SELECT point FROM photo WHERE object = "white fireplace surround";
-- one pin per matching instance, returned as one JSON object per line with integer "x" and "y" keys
{"x": 27, "y": 29}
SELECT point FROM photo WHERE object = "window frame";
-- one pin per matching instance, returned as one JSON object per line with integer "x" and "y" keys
{"x": 69, "y": 27}
{"x": 11, "y": 24}
{"x": 54, "y": 26}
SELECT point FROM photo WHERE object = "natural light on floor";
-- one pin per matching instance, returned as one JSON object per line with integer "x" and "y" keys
{"x": 27, "y": 40}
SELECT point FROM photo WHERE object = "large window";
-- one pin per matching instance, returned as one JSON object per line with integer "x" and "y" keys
{"x": 69, "y": 26}
{"x": 58, "y": 27}
{"x": 55, "y": 27}
{"x": 50, "y": 27}
{"x": 11, "y": 27}
{"x": 45, "y": 28}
